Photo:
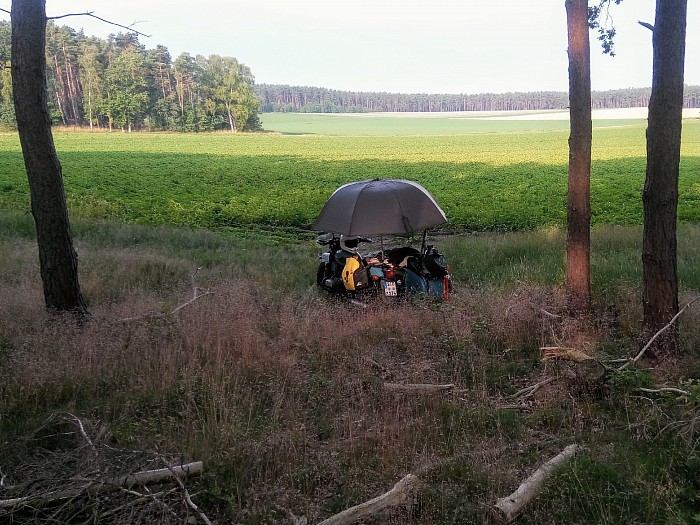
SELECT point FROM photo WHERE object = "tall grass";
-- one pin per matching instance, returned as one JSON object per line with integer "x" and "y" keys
{"x": 279, "y": 389}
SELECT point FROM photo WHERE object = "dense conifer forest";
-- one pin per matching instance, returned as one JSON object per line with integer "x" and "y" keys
{"x": 118, "y": 83}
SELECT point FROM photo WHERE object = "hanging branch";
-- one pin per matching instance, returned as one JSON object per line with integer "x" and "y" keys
{"x": 93, "y": 15}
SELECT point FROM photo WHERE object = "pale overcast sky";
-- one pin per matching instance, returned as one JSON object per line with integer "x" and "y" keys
{"x": 407, "y": 46}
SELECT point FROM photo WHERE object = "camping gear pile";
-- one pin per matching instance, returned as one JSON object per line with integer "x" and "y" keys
{"x": 380, "y": 207}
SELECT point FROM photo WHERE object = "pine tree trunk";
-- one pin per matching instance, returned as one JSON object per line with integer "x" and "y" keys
{"x": 660, "y": 198}
{"x": 57, "y": 258}
{"x": 578, "y": 208}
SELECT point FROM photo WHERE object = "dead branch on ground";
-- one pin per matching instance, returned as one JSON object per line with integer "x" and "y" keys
{"x": 196, "y": 295}
{"x": 530, "y": 391}
{"x": 418, "y": 388}
{"x": 509, "y": 507}
{"x": 67, "y": 472}
{"x": 656, "y": 335}
{"x": 661, "y": 390}
{"x": 400, "y": 494}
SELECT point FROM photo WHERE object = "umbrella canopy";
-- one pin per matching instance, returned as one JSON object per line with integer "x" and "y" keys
{"x": 379, "y": 207}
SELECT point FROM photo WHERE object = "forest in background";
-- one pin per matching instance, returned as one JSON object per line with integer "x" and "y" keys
{"x": 303, "y": 99}
{"x": 116, "y": 83}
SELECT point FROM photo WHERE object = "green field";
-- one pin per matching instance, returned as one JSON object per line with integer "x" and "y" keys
{"x": 401, "y": 124}
{"x": 484, "y": 180}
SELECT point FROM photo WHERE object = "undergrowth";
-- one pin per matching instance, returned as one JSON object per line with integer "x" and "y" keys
{"x": 279, "y": 389}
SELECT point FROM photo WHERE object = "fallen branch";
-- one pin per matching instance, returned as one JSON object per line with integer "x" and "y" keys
{"x": 656, "y": 335}
{"x": 530, "y": 391}
{"x": 141, "y": 498}
{"x": 418, "y": 387}
{"x": 664, "y": 389}
{"x": 81, "y": 427}
{"x": 196, "y": 294}
{"x": 398, "y": 495}
{"x": 549, "y": 314}
{"x": 509, "y": 507}
{"x": 137, "y": 478}
{"x": 186, "y": 495}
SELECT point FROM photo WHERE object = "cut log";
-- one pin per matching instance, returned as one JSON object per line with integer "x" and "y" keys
{"x": 509, "y": 507}
{"x": 399, "y": 495}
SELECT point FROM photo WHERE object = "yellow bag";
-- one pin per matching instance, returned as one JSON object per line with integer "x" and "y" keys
{"x": 354, "y": 275}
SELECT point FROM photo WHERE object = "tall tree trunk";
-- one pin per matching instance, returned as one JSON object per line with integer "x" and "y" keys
{"x": 57, "y": 258}
{"x": 660, "y": 198}
{"x": 578, "y": 208}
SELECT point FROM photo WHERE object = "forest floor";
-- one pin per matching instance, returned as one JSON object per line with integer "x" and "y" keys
{"x": 289, "y": 397}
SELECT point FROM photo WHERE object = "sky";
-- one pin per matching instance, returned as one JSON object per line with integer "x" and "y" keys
{"x": 398, "y": 46}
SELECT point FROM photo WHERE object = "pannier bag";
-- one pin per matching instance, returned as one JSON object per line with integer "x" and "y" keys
{"x": 355, "y": 276}
{"x": 428, "y": 276}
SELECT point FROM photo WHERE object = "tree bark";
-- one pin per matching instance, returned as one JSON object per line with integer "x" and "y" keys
{"x": 578, "y": 207}
{"x": 660, "y": 197}
{"x": 57, "y": 258}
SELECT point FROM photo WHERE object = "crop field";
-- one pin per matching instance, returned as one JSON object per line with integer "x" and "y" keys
{"x": 402, "y": 124}
{"x": 495, "y": 177}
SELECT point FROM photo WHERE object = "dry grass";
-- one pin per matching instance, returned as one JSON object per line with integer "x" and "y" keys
{"x": 282, "y": 397}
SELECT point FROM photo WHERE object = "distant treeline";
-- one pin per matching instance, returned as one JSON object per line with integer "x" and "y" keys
{"x": 302, "y": 99}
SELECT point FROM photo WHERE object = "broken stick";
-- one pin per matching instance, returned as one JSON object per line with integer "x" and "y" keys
{"x": 510, "y": 506}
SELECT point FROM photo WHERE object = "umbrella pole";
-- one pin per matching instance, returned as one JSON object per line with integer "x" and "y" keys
{"x": 422, "y": 246}
{"x": 381, "y": 243}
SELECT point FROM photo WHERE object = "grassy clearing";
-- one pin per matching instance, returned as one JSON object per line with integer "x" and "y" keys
{"x": 278, "y": 389}
{"x": 484, "y": 181}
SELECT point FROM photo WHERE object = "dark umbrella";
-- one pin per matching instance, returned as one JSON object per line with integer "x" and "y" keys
{"x": 379, "y": 207}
